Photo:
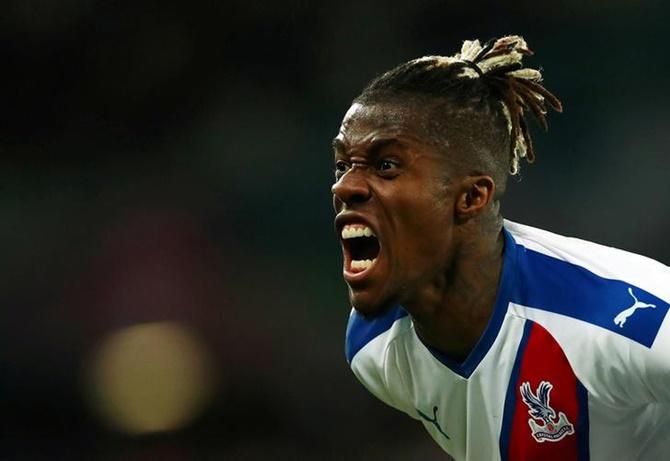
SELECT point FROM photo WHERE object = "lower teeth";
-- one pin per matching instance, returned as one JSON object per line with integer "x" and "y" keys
{"x": 362, "y": 264}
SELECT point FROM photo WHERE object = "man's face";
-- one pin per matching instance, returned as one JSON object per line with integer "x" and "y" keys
{"x": 394, "y": 206}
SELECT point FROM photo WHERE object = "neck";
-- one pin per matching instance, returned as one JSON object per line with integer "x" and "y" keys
{"x": 450, "y": 313}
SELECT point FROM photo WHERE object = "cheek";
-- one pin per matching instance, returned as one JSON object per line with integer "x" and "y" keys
{"x": 424, "y": 224}
{"x": 428, "y": 214}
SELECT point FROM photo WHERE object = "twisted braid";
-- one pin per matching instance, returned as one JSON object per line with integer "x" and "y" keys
{"x": 490, "y": 71}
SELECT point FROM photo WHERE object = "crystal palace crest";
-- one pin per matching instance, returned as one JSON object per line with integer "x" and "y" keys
{"x": 544, "y": 424}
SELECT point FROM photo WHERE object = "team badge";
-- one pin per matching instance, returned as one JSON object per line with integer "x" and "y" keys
{"x": 543, "y": 422}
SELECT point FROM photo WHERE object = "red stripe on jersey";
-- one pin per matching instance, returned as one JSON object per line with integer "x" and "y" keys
{"x": 548, "y": 388}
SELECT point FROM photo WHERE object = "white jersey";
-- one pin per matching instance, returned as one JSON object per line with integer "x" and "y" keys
{"x": 573, "y": 365}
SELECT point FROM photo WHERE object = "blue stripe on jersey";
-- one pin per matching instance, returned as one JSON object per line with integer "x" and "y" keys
{"x": 362, "y": 330}
{"x": 510, "y": 398}
{"x": 583, "y": 422}
{"x": 558, "y": 286}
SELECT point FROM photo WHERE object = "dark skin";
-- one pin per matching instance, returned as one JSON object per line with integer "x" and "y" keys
{"x": 438, "y": 225}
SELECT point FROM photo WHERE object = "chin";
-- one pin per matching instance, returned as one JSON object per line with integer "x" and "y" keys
{"x": 368, "y": 304}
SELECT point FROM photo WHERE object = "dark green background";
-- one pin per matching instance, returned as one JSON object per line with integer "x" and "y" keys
{"x": 171, "y": 161}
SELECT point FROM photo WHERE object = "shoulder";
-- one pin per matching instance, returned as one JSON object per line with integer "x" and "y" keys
{"x": 367, "y": 345}
{"x": 362, "y": 330}
{"x": 591, "y": 282}
{"x": 603, "y": 261}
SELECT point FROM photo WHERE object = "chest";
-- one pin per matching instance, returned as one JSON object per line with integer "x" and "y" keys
{"x": 521, "y": 401}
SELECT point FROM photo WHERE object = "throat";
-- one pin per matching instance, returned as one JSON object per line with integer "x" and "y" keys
{"x": 452, "y": 313}
{"x": 455, "y": 340}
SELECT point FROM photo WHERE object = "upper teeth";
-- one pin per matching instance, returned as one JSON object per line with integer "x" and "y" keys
{"x": 351, "y": 231}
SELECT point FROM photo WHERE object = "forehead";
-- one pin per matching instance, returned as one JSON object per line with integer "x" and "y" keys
{"x": 364, "y": 123}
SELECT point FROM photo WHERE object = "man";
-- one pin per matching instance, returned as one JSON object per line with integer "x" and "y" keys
{"x": 505, "y": 341}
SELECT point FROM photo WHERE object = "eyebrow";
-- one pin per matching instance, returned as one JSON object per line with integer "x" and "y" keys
{"x": 374, "y": 147}
{"x": 338, "y": 145}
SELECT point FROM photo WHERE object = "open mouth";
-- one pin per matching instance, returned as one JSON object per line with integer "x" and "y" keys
{"x": 361, "y": 248}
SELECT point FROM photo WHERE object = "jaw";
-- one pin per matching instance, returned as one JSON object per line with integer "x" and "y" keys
{"x": 390, "y": 282}
{"x": 369, "y": 302}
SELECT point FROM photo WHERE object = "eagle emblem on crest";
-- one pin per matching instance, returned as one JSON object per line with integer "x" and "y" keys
{"x": 544, "y": 424}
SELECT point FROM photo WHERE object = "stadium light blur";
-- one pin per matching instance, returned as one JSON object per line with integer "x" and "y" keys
{"x": 149, "y": 378}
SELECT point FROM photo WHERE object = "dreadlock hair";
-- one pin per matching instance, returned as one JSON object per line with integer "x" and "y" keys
{"x": 482, "y": 94}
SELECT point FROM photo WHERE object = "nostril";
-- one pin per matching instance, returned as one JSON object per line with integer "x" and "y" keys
{"x": 360, "y": 197}
{"x": 352, "y": 194}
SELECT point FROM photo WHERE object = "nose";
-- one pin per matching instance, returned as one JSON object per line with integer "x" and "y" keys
{"x": 352, "y": 187}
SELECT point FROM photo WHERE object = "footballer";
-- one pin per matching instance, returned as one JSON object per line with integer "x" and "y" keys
{"x": 505, "y": 341}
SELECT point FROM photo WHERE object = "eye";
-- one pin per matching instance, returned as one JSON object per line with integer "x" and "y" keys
{"x": 387, "y": 166}
{"x": 341, "y": 167}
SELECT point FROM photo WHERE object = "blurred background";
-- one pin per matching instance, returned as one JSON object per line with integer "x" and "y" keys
{"x": 169, "y": 279}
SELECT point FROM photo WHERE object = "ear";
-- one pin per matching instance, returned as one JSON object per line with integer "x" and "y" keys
{"x": 476, "y": 192}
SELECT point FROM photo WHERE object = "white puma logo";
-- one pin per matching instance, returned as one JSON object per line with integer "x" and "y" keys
{"x": 622, "y": 316}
